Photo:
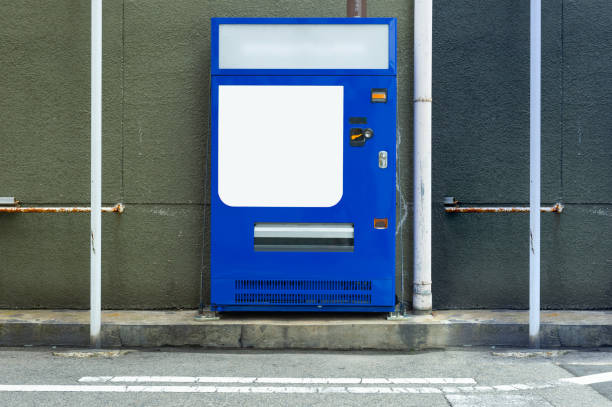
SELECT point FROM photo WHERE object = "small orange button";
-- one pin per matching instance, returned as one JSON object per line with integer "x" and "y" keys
{"x": 379, "y": 96}
{"x": 381, "y": 223}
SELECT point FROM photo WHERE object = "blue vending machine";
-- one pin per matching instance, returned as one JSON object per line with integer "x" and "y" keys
{"x": 303, "y": 164}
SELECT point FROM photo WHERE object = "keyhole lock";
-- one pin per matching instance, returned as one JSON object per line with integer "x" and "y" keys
{"x": 382, "y": 159}
{"x": 358, "y": 137}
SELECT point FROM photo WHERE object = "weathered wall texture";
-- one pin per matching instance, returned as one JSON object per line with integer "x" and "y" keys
{"x": 155, "y": 126}
{"x": 481, "y": 152}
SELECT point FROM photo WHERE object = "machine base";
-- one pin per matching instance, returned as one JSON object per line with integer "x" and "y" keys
{"x": 299, "y": 308}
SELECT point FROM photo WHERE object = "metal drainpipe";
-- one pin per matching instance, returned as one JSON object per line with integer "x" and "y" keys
{"x": 96, "y": 174}
{"x": 421, "y": 297}
{"x": 534, "y": 172}
{"x": 356, "y": 8}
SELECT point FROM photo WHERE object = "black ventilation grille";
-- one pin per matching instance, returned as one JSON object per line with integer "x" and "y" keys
{"x": 302, "y": 299}
{"x": 303, "y": 292}
{"x": 303, "y": 285}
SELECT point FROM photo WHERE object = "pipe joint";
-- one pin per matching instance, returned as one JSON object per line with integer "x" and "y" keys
{"x": 421, "y": 297}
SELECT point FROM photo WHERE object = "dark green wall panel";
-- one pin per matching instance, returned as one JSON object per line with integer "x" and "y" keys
{"x": 481, "y": 153}
{"x": 587, "y": 99}
{"x": 481, "y": 101}
{"x": 482, "y": 260}
{"x": 45, "y": 100}
{"x": 150, "y": 258}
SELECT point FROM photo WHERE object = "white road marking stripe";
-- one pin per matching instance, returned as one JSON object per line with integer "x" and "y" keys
{"x": 212, "y": 389}
{"x": 165, "y": 379}
{"x": 485, "y": 400}
{"x": 226, "y": 379}
{"x": 154, "y": 379}
{"x": 412, "y": 390}
{"x": 374, "y": 381}
{"x": 340, "y": 380}
{"x": 276, "y": 380}
{"x": 415, "y": 380}
{"x": 233, "y": 389}
{"x": 428, "y": 390}
{"x": 362, "y": 390}
{"x": 270, "y": 389}
{"x": 590, "y": 379}
{"x": 433, "y": 380}
{"x": 96, "y": 379}
{"x": 289, "y": 380}
{"x": 332, "y": 389}
{"x": 168, "y": 389}
{"x": 583, "y": 380}
{"x": 459, "y": 380}
{"x": 505, "y": 387}
{"x": 61, "y": 388}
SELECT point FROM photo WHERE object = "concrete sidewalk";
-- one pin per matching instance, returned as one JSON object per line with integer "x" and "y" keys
{"x": 306, "y": 331}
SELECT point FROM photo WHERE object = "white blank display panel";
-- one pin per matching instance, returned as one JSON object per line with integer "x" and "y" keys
{"x": 303, "y": 46}
{"x": 280, "y": 146}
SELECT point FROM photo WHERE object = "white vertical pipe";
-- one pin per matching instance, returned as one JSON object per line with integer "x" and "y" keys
{"x": 421, "y": 299}
{"x": 96, "y": 173}
{"x": 534, "y": 172}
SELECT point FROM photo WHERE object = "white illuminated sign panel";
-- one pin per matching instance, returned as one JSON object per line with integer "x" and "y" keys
{"x": 270, "y": 156}
{"x": 303, "y": 46}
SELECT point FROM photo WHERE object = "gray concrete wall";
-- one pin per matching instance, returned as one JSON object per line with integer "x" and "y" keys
{"x": 156, "y": 58}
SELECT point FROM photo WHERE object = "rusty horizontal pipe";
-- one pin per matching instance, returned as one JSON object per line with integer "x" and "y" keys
{"x": 70, "y": 209}
{"x": 557, "y": 208}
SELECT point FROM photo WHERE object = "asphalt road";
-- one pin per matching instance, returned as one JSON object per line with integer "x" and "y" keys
{"x": 181, "y": 377}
